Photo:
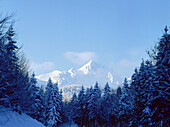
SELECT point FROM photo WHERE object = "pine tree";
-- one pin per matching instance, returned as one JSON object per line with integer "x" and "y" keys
{"x": 34, "y": 97}
{"x": 73, "y": 108}
{"x": 160, "y": 103}
{"x": 24, "y": 92}
{"x": 4, "y": 100}
{"x": 48, "y": 100}
{"x": 14, "y": 80}
{"x": 125, "y": 103}
{"x": 41, "y": 105}
{"x": 139, "y": 105}
{"x": 62, "y": 112}
{"x": 53, "y": 105}
{"x": 94, "y": 106}
{"x": 11, "y": 70}
{"x": 86, "y": 103}
{"x": 57, "y": 105}
{"x": 81, "y": 106}
{"x": 119, "y": 92}
{"x": 134, "y": 89}
{"x": 146, "y": 94}
{"x": 106, "y": 105}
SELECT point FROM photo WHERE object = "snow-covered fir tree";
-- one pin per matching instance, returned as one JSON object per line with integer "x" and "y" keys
{"x": 138, "y": 95}
{"x": 133, "y": 88}
{"x": 125, "y": 105}
{"x": 81, "y": 106}
{"x": 40, "y": 105}
{"x": 94, "y": 106}
{"x": 147, "y": 94}
{"x": 4, "y": 100}
{"x": 24, "y": 92}
{"x": 73, "y": 108}
{"x": 53, "y": 105}
{"x": 161, "y": 97}
{"x": 34, "y": 97}
{"x": 48, "y": 100}
{"x": 37, "y": 106}
{"x": 115, "y": 105}
{"x": 106, "y": 105}
{"x": 86, "y": 103}
{"x": 11, "y": 70}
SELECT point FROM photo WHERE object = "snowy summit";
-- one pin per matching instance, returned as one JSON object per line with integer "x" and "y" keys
{"x": 87, "y": 75}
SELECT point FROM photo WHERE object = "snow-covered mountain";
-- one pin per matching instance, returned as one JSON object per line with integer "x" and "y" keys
{"x": 86, "y": 75}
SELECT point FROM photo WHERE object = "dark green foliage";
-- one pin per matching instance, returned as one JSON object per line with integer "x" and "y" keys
{"x": 160, "y": 102}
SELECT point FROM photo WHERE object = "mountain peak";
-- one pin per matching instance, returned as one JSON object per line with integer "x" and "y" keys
{"x": 90, "y": 62}
{"x": 91, "y": 65}
{"x": 88, "y": 74}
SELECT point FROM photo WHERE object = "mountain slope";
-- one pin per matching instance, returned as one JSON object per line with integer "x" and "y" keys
{"x": 86, "y": 75}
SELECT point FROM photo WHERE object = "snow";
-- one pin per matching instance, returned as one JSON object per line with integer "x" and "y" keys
{"x": 88, "y": 67}
{"x": 87, "y": 75}
{"x": 13, "y": 119}
{"x": 53, "y": 75}
{"x": 110, "y": 76}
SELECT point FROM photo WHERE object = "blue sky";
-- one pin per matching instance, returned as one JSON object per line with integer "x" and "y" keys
{"x": 60, "y": 34}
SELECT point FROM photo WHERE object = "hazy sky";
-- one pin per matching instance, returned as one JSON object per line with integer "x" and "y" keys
{"x": 60, "y": 34}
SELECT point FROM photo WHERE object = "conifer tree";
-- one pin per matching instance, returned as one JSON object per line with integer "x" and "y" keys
{"x": 81, "y": 106}
{"x": 133, "y": 88}
{"x": 125, "y": 105}
{"x": 160, "y": 103}
{"x": 119, "y": 92}
{"x": 86, "y": 110}
{"x": 53, "y": 105}
{"x": 62, "y": 112}
{"x": 146, "y": 94}
{"x": 14, "y": 82}
{"x": 11, "y": 70}
{"x": 48, "y": 100}
{"x": 40, "y": 105}
{"x": 94, "y": 105}
{"x": 106, "y": 105}
{"x": 4, "y": 99}
{"x": 34, "y": 97}
{"x": 73, "y": 108}
{"x": 24, "y": 92}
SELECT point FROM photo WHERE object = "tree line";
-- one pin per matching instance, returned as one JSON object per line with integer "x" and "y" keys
{"x": 142, "y": 101}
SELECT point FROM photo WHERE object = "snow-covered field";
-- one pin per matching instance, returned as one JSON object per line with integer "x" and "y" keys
{"x": 13, "y": 119}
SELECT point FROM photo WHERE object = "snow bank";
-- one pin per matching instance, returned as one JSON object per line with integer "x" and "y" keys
{"x": 13, "y": 119}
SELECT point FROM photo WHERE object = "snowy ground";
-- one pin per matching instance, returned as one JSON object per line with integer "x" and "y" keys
{"x": 13, "y": 119}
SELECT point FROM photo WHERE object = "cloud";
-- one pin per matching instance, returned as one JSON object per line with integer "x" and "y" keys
{"x": 40, "y": 68}
{"x": 80, "y": 57}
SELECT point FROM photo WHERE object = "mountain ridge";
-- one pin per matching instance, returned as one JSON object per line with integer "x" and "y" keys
{"x": 90, "y": 70}
{"x": 87, "y": 75}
